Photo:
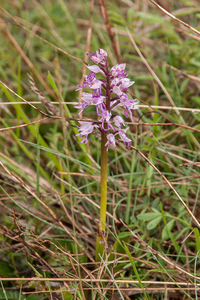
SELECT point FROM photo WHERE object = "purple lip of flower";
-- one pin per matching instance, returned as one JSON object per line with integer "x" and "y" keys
{"x": 105, "y": 116}
{"x": 116, "y": 82}
{"x": 110, "y": 140}
{"x": 118, "y": 121}
{"x": 85, "y": 129}
{"x": 123, "y": 136}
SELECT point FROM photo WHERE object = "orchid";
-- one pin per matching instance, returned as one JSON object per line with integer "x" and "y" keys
{"x": 107, "y": 93}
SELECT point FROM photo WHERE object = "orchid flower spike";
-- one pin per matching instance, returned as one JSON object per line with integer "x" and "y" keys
{"x": 108, "y": 92}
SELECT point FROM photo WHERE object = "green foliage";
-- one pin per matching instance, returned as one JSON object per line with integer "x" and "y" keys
{"x": 5, "y": 269}
{"x": 64, "y": 174}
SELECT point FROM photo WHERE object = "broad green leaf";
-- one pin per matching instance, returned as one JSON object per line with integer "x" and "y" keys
{"x": 154, "y": 223}
{"x": 148, "y": 216}
{"x": 123, "y": 234}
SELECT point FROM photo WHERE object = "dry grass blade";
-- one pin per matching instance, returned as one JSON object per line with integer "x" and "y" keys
{"x": 20, "y": 181}
{"x": 163, "y": 107}
{"x": 17, "y": 47}
{"x": 157, "y": 254}
{"x": 171, "y": 186}
{"x": 89, "y": 34}
{"x": 182, "y": 73}
{"x": 188, "y": 164}
{"x": 108, "y": 26}
{"x": 49, "y": 106}
{"x": 24, "y": 125}
{"x": 23, "y": 184}
{"x": 102, "y": 280}
{"x": 45, "y": 41}
{"x": 175, "y": 18}
{"x": 160, "y": 84}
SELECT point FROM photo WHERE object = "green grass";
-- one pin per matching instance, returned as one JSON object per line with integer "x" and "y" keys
{"x": 55, "y": 238}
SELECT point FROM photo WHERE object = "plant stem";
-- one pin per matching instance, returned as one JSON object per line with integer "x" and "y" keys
{"x": 102, "y": 222}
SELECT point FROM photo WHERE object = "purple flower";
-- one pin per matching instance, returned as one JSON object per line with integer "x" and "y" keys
{"x": 89, "y": 99}
{"x": 125, "y": 139}
{"x": 96, "y": 69}
{"x": 105, "y": 116}
{"x": 118, "y": 70}
{"x": 88, "y": 80}
{"x": 92, "y": 82}
{"x": 118, "y": 121}
{"x": 96, "y": 84}
{"x": 128, "y": 105}
{"x": 85, "y": 129}
{"x": 104, "y": 83}
{"x": 119, "y": 84}
{"x": 110, "y": 140}
{"x": 99, "y": 58}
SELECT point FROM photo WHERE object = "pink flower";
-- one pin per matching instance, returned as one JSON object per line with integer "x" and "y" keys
{"x": 85, "y": 129}
{"x": 89, "y": 99}
{"x": 124, "y": 138}
{"x": 115, "y": 82}
{"x": 119, "y": 84}
{"x": 125, "y": 83}
{"x": 110, "y": 141}
{"x": 128, "y": 105}
{"x": 88, "y": 80}
{"x": 105, "y": 116}
{"x": 99, "y": 57}
{"x": 118, "y": 70}
{"x": 95, "y": 84}
{"x": 118, "y": 121}
{"x": 96, "y": 69}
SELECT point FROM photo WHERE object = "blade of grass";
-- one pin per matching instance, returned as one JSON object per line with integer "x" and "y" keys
{"x": 135, "y": 270}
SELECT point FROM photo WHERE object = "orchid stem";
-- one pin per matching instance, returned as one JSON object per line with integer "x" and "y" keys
{"x": 103, "y": 208}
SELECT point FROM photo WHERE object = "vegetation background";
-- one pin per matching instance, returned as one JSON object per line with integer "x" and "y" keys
{"x": 50, "y": 190}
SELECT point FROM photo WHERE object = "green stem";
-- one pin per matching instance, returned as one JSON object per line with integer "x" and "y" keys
{"x": 102, "y": 222}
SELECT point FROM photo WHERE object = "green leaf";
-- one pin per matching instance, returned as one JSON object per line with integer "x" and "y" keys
{"x": 122, "y": 235}
{"x": 34, "y": 297}
{"x": 166, "y": 230}
{"x": 11, "y": 295}
{"x": 135, "y": 271}
{"x": 197, "y": 237}
{"x": 154, "y": 223}
{"x": 5, "y": 269}
{"x": 148, "y": 216}
{"x": 52, "y": 82}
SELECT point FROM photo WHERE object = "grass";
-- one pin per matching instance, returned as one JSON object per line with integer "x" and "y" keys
{"x": 50, "y": 183}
